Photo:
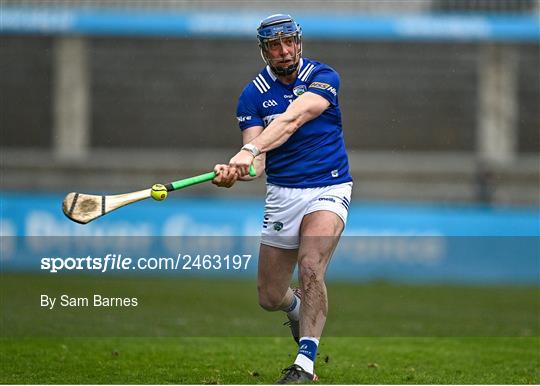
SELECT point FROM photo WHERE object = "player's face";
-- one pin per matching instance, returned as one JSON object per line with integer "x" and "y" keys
{"x": 282, "y": 52}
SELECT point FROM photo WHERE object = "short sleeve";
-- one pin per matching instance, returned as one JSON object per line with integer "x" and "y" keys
{"x": 246, "y": 110}
{"x": 326, "y": 84}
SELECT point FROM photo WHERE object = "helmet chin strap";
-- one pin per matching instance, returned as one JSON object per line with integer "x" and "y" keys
{"x": 285, "y": 71}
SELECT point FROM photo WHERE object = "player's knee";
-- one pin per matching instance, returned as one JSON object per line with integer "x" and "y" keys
{"x": 269, "y": 300}
{"x": 311, "y": 269}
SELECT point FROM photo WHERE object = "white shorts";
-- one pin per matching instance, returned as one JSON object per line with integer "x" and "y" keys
{"x": 286, "y": 207}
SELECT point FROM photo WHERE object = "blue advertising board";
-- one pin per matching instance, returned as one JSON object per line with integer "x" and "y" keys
{"x": 391, "y": 241}
{"x": 407, "y": 26}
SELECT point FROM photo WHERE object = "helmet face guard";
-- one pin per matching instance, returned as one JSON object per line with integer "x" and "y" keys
{"x": 279, "y": 27}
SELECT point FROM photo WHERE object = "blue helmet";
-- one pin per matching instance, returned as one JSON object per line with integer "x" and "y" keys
{"x": 278, "y": 27}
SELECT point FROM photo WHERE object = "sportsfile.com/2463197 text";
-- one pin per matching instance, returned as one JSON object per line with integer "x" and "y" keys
{"x": 117, "y": 262}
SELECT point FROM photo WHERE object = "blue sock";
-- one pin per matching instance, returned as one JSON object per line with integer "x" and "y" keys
{"x": 307, "y": 350}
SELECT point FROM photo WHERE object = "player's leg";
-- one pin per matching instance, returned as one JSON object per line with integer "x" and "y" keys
{"x": 320, "y": 232}
{"x": 276, "y": 266}
{"x": 284, "y": 209}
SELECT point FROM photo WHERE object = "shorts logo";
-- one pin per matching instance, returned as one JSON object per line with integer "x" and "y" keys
{"x": 299, "y": 90}
{"x": 269, "y": 103}
{"x": 278, "y": 226}
{"x": 326, "y": 199}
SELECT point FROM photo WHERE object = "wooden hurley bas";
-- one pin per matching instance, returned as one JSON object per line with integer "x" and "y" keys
{"x": 83, "y": 208}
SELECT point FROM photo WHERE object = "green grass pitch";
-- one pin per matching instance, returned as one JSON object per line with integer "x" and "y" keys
{"x": 194, "y": 331}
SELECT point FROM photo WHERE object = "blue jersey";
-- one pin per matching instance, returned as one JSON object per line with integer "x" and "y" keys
{"x": 315, "y": 154}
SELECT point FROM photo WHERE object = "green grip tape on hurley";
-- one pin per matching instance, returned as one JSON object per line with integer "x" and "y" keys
{"x": 180, "y": 184}
{"x": 252, "y": 171}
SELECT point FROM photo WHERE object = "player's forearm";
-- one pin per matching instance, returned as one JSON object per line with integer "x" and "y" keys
{"x": 307, "y": 107}
{"x": 274, "y": 135}
{"x": 278, "y": 131}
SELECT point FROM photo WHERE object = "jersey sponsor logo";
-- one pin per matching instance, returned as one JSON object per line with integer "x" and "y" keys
{"x": 320, "y": 85}
{"x": 244, "y": 118}
{"x": 299, "y": 90}
{"x": 269, "y": 103}
{"x": 288, "y": 96}
{"x": 324, "y": 86}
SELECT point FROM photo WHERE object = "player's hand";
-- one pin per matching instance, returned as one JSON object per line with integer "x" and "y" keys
{"x": 225, "y": 176}
{"x": 241, "y": 162}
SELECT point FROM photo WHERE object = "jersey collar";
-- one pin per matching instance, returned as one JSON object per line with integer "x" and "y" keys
{"x": 300, "y": 65}
{"x": 270, "y": 73}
